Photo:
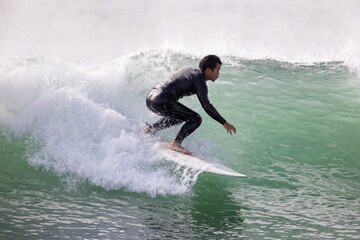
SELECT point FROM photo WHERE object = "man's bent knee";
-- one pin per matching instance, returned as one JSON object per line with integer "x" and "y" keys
{"x": 198, "y": 120}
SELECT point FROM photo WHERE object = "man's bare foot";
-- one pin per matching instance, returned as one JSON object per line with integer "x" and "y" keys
{"x": 175, "y": 146}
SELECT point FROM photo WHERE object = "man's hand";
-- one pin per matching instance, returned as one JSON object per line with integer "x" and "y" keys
{"x": 229, "y": 128}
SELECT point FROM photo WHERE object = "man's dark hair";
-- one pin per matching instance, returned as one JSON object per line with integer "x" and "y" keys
{"x": 209, "y": 61}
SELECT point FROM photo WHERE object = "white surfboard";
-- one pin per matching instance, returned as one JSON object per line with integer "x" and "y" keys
{"x": 197, "y": 162}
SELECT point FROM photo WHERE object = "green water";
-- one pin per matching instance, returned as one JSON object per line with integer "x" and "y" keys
{"x": 298, "y": 142}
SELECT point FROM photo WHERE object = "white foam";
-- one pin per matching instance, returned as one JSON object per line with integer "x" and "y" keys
{"x": 69, "y": 116}
{"x": 80, "y": 116}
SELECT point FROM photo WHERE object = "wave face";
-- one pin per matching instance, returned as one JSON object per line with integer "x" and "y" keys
{"x": 73, "y": 82}
{"x": 298, "y": 126}
{"x": 70, "y": 77}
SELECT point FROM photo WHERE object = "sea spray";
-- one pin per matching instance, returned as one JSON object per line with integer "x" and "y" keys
{"x": 97, "y": 32}
{"x": 287, "y": 83}
{"x": 72, "y": 126}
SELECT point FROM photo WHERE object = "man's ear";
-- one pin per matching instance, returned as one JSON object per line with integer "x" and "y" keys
{"x": 207, "y": 71}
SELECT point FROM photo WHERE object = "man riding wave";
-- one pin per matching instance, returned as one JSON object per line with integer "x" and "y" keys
{"x": 163, "y": 100}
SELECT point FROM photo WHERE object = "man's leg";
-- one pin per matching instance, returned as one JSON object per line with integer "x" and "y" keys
{"x": 163, "y": 123}
{"x": 191, "y": 118}
{"x": 173, "y": 113}
{"x": 160, "y": 105}
{"x": 192, "y": 121}
{"x": 176, "y": 113}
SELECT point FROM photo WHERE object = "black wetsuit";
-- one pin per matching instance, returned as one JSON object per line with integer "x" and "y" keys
{"x": 163, "y": 100}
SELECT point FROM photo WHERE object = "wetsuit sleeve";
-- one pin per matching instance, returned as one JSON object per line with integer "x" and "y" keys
{"x": 202, "y": 94}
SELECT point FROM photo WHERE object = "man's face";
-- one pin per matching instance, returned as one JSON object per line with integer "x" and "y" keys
{"x": 213, "y": 75}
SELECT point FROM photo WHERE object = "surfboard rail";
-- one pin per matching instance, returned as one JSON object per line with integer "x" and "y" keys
{"x": 197, "y": 162}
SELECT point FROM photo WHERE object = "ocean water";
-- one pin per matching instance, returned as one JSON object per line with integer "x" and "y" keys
{"x": 75, "y": 164}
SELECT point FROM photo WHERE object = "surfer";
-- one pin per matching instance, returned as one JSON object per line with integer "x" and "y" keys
{"x": 163, "y": 100}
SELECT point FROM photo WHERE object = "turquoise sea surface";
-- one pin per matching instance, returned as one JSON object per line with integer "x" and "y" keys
{"x": 73, "y": 160}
